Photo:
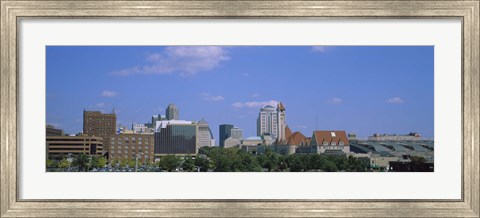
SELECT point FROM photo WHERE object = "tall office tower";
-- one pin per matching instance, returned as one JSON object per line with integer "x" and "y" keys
{"x": 205, "y": 136}
{"x": 236, "y": 133}
{"x": 272, "y": 121}
{"x": 175, "y": 137}
{"x": 225, "y": 133}
{"x": 172, "y": 112}
{"x": 102, "y": 125}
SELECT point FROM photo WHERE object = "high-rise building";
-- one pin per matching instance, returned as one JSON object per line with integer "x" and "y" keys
{"x": 102, "y": 125}
{"x": 205, "y": 136}
{"x": 225, "y": 133}
{"x": 175, "y": 137}
{"x": 172, "y": 112}
{"x": 236, "y": 133}
{"x": 131, "y": 146}
{"x": 272, "y": 121}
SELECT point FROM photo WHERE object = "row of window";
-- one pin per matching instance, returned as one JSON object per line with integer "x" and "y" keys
{"x": 131, "y": 147}
{"x": 333, "y": 143}
{"x": 126, "y": 151}
{"x": 127, "y": 156}
{"x": 127, "y": 142}
{"x": 128, "y": 138}
{"x": 334, "y": 148}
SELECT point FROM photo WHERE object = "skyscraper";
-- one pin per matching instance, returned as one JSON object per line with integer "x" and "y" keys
{"x": 205, "y": 136}
{"x": 172, "y": 112}
{"x": 102, "y": 125}
{"x": 225, "y": 132}
{"x": 272, "y": 122}
{"x": 236, "y": 133}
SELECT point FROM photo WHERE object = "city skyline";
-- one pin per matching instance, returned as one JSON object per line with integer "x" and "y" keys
{"x": 360, "y": 89}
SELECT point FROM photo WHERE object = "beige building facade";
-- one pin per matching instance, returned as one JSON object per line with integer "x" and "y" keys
{"x": 59, "y": 147}
{"x": 131, "y": 146}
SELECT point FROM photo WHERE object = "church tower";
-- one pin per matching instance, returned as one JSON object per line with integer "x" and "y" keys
{"x": 281, "y": 125}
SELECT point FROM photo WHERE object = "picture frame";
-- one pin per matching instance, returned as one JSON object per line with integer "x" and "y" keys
{"x": 13, "y": 11}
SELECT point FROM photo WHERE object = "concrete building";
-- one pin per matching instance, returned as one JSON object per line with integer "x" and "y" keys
{"x": 59, "y": 147}
{"x": 172, "y": 112}
{"x": 253, "y": 141}
{"x": 236, "y": 133}
{"x": 205, "y": 136}
{"x": 176, "y": 137}
{"x": 224, "y": 133}
{"x": 232, "y": 142}
{"x": 139, "y": 128}
{"x": 413, "y": 136}
{"x": 98, "y": 124}
{"x": 132, "y": 145}
{"x": 52, "y": 131}
{"x": 272, "y": 121}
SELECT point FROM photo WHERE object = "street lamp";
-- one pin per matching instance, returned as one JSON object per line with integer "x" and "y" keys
{"x": 136, "y": 161}
{"x": 69, "y": 159}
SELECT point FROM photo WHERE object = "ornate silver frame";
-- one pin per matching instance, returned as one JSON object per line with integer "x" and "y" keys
{"x": 12, "y": 11}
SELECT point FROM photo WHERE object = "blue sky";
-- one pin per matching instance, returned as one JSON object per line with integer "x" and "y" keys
{"x": 360, "y": 89}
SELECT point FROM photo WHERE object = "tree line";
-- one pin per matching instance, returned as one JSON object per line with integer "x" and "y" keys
{"x": 220, "y": 159}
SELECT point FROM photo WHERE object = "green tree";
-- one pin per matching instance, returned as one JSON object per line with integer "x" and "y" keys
{"x": 114, "y": 162}
{"x": 131, "y": 163}
{"x": 63, "y": 164}
{"x": 282, "y": 163}
{"x": 169, "y": 163}
{"x": 101, "y": 162}
{"x": 272, "y": 160}
{"x": 330, "y": 166}
{"x": 123, "y": 162}
{"x": 188, "y": 164}
{"x": 202, "y": 163}
{"x": 82, "y": 161}
{"x": 93, "y": 162}
{"x": 295, "y": 163}
{"x": 51, "y": 163}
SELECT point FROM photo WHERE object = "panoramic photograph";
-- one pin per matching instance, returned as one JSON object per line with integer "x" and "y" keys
{"x": 164, "y": 109}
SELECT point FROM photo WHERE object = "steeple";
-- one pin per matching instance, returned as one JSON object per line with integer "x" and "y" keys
{"x": 280, "y": 107}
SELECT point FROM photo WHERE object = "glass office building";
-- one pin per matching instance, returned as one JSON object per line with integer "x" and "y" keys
{"x": 225, "y": 133}
{"x": 176, "y": 139}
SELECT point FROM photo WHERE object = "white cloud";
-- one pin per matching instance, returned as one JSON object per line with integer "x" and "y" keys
{"x": 185, "y": 60}
{"x": 395, "y": 100}
{"x": 254, "y": 104}
{"x": 254, "y": 95}
{"x": 335, "y": 100}
{"x": 245, "y": 74}
{"x": 320, "y": 48}
{"x": 109, "y": 94}
{"x": 208, "y": 97}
